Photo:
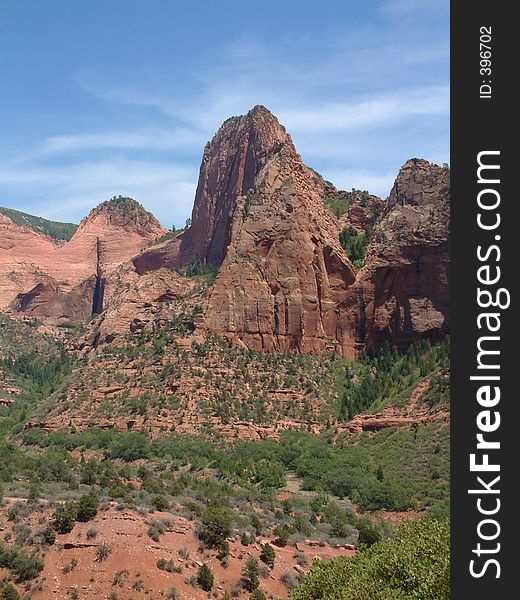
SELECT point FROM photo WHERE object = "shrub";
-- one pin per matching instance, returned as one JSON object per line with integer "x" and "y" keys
{"x": 168, "y": 565}
{"x": 245, "y": 540}
{"x": 368, "y": 533}
{"x": 268, "y": 555}
{"x": 216, "y": 527}
{"x": 250, "y": 575}
{"x": 205, "y": 578}
{"x": 9, "y": 592}
{"x": 256, "y": 524}
{"x": 87, "y": 508}
{"x": 288, "y": 580}
{"x": 129, "y": 446}
{"x": 223, "y": 551}
{"x": 70, "y": 566}
{"x": 282, "y": 536}
{"x": 415, "y": 565}
{"x": 160, "y": 503}
{"x": 48, "y": 535}
{"x": 23, "y": 566}
{"x": 65, "y": 517}
{"x": 103, "y": 551}
{"x": 258, "y": 595}
{"x": 92, "y": 533}
{"x": 172, "y": 594}
{"x": 156, "y": 529}
{"x": 120, "y": 577}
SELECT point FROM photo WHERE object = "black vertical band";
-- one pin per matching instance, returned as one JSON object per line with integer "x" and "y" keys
{"x": 483, "y": 126}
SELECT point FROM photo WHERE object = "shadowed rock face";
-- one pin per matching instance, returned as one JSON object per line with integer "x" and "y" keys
{"x": 404, "y": 282}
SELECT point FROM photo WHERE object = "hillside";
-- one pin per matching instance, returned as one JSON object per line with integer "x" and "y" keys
{"x": 61, "y": 232}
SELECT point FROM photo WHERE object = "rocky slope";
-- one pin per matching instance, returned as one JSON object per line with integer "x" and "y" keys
{"x": 64, "y": 285}
{"x": 18, "y": 247}
{"x": 130, "y": 570}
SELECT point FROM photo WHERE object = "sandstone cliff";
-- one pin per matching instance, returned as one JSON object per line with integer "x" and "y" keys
{"x": 272, "y": 228}
{"x": 259, "y": 213}
{"x": 403, "y": 286}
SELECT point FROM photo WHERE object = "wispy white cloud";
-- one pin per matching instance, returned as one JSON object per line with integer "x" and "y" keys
{"x": 358, "y": 99}
{"x": 68, "y": 191}
{"x": 145, "y": 139}
{"x": 356, "y": 114}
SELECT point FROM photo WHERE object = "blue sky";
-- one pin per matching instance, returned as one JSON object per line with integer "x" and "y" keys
{"x": 107, "y": 97}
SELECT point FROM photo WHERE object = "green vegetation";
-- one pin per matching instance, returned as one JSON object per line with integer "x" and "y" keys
{"x": 65, "y": 517}
{"x": 227, "y": 489}
{"x": 199, "y": 267}
{"x": 389, "y": 378}
{"x": 251, "y": 575}
{"x": 339, "y": 204}
{"x": 87, "y": 508}
{"x": 103, "y": 551}
{"x": 355, "y": 244}
{"x": 216, "y": 527}
{"x": 268, "y": 555}
{"x": 168, "y": 236}
{"x": 8, "y": 592}
{"x": 414, "y": 565}
{"x": 394, "y": 469}
{"x": 205, "y": 578}
{"x": 23, "y": 566}
{"x": 83, "y": 510}
{"x": 54, "y": 229}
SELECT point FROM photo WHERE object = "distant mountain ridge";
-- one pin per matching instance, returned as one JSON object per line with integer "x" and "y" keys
{"x": 61, "y": 232}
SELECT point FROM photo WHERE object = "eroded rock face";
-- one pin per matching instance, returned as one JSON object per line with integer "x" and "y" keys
{"x": 363, "y": 211}
{"x": 284, "y": 281}
{"x": 63, "y": 285}
{"x": 284, "y": 275}
{"x": 138, "y": 303}
{"x": 230, "y": 166}
{"x": 403, "y": 286}
{"x": 18, "y": 247}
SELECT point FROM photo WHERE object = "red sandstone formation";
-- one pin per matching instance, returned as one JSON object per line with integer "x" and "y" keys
{"x": 259, "y": 214}
{"x": 18, "y": 247}
{"x": 64, "y": 285}
{"x": 403, "y": 285}
{"x": 136, "y": 304}
{"x": 284, "y": 282}
{"x": 363, "y": 211}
